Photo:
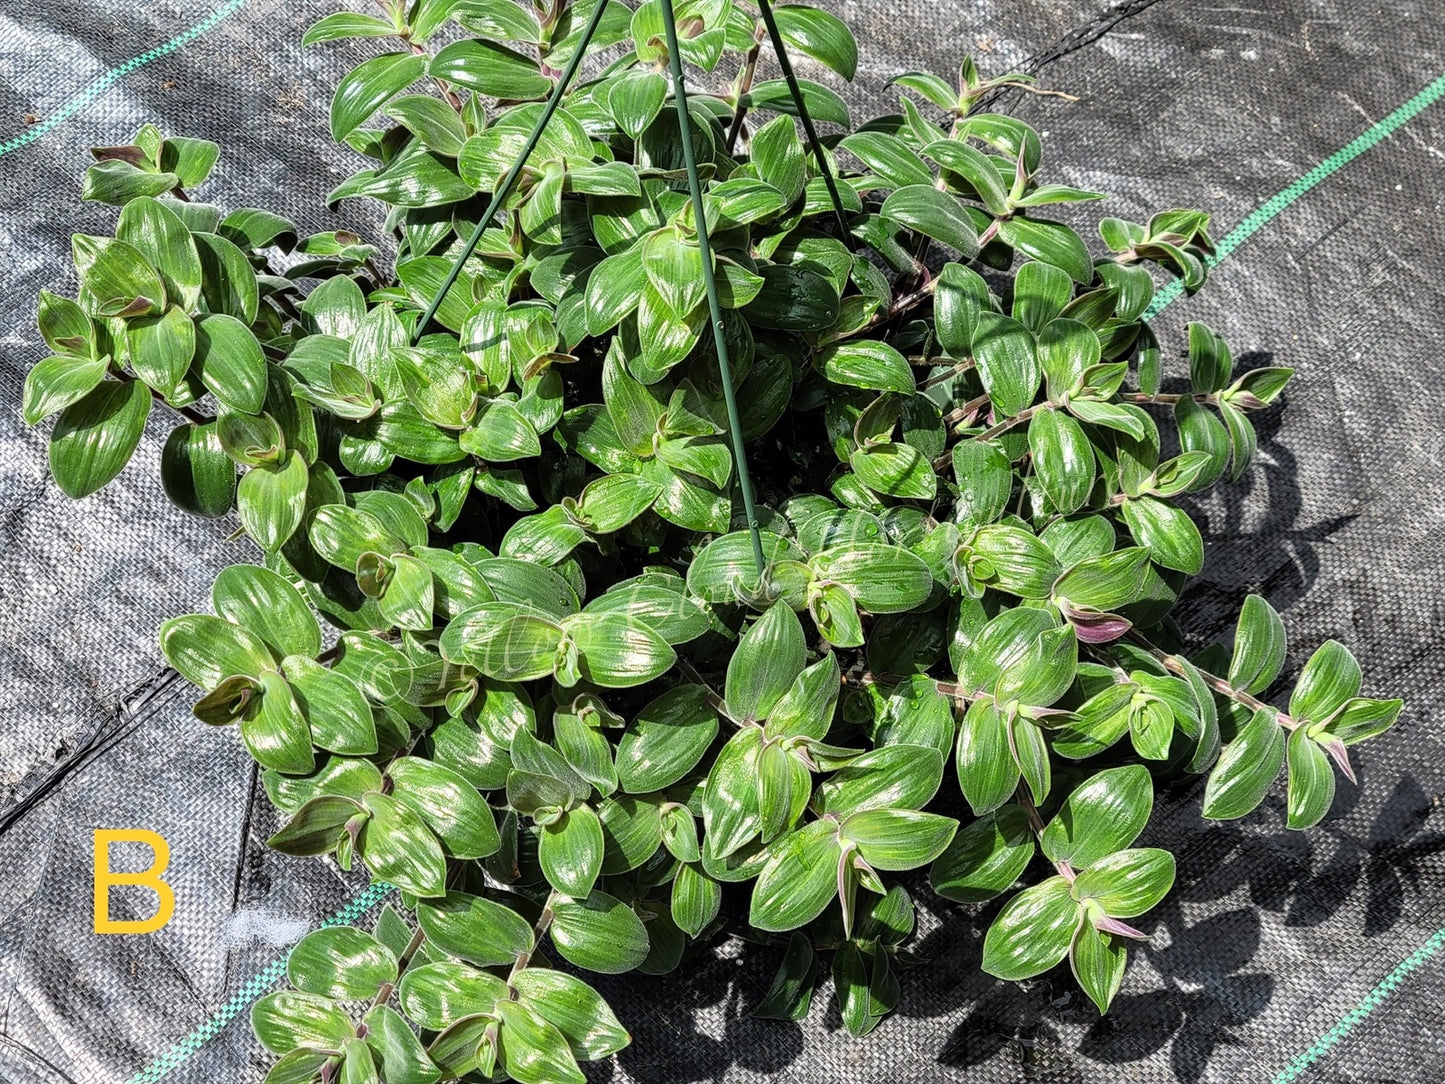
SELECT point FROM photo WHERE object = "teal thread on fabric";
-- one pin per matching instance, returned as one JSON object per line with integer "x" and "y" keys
{"x": 365, "y": 901}
{"x": 99, "y": 86}
{"x": 1368, "y": 1004}
{"x": 268, "y": 977}
{"x": 1262, "y": 214}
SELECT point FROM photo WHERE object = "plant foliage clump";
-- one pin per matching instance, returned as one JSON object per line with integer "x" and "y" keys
{"x": 709, "y": 522}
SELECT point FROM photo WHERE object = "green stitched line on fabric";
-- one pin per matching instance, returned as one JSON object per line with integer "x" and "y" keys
{"x": 182, "y": 1051}
{"x": 361, "y": 904}
{"x": 90, "y": 93}
{"x": 1277, "y": 203}
{"x": 1371, "y": 1001}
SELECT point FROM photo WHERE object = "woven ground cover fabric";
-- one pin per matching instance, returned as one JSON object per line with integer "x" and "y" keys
{"x": 1278, "y": 956}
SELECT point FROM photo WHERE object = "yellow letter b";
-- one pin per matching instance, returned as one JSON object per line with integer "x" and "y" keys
{"x": 147, "y": 878}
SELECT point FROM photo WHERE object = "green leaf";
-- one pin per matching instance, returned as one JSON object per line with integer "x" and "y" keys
{"x": 475, "y": 929}
{"x": 895, "y": 470}
{"x": 161, "y": 237}
{"x": 696, "y": 899}
{"x": 1329, "y": 679}
{"x": 118, "y": 182}
{"x": 666, "y": 740}
{"x": 161, "y": 348}
{"x": 820, "y": 35}
{"x": 339, "y": 715}
{"x": 790, "y": 995}
{"x": 1098, "y": 961}
{"x": 768, "y": 659}
{"x": 287, "y": 1020}
{"x": 228, "y": 280}
{"x": 276, "y": 733}
{"x": 899, "y": 839}
{"x": 600, "y": 933}
{"x": 1007, "y": 363}
{"x": 532, "y": 1050}
{"x": 1360, "y": 719}
{"x": 792, "y": 299}
{"x": 400, "y": 849}
{"x": 1127, "y": 883}
{"x": 317, "y": 827}
{"x": 1311, "y": 780}
{"x": 1104, "y": 814}
{"x": 300, "y": 1066}
{"x": 197, "y": 474}
{"x": 617, "y": 651}
{"x": 588, "y": 1024}
{"x": 340, "y": 962}
{"x": 976, "y": 169}
{"x": 1105, "y": 582}
{"x": 1014, "y": 561}
{"x": 1063, "y": 458}
{"x": 1051, "y": 242}
{"x": 985, "y": 482}
{"x": 569, "y": 850}
{"x": 268, "y": 607}
{"x": 1121, "y": 417}
{"x": 271, "y": 501}
{"x": 1041, "y": 291}
{"x": 724, "y": 570}
{"x": 230, "y": 362}
{"x": 448, "y": 804}
{"x": 882, "y": 579}
{"x": 96, "y": 435}
{"x": 987, "y": 771}
{"x": 403, "y": 1059}
{"x": 1033, "y": 932}
{"x": 65, "y": 327}
{"x": 369, "y": 86}
{"x": 56, "y": 382}
{"x": 1210, "y": 364}
{"x": 890, "y": 777}
{"x": 205, "y": 649}
{"x": 635, "y": 99}
{"x": 1246, "y": 768}
{"x": 490, "y": 69}
{"x": 933, "y": 213}
{"x": 1259, "y": 646}
{"x": 117, "y": 277}
{"x": 985, "y": 858}
{"x": 799, "y": 880}
{"x": 779, "y": 159}
{"x": 1166, "y": 531}
{"x": 868, "y": 364}
{"x": 730, "y": 797}
{"x": 823, "y": 104}
{"x": 345, "y": 24}
{"x": 436, "y": 995}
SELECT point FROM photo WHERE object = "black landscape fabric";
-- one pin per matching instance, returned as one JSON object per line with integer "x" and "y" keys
{"x": 1269, "y": 940}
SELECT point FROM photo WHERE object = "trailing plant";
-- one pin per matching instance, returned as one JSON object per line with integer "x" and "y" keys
{"x": 671, "y": 580}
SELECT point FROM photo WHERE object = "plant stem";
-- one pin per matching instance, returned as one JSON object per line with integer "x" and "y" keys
{"x": 780, "y": 48}
{"x": 544, "y": 921}
{"x": 742, "y": 86}
{"x": 1036, "y": 822}
{"x": 191, "y": 415}
{"x": 958, "y": 369}
{"x": 387, "y": 989}
{"x": 996, "y": 430}
{"x": 510, "y": 180}
{"x": 1173, "y": 664}
{"x": 714, "y": 306}
{"x": 714, "y": 698}
{"x": 901, "y": 305}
